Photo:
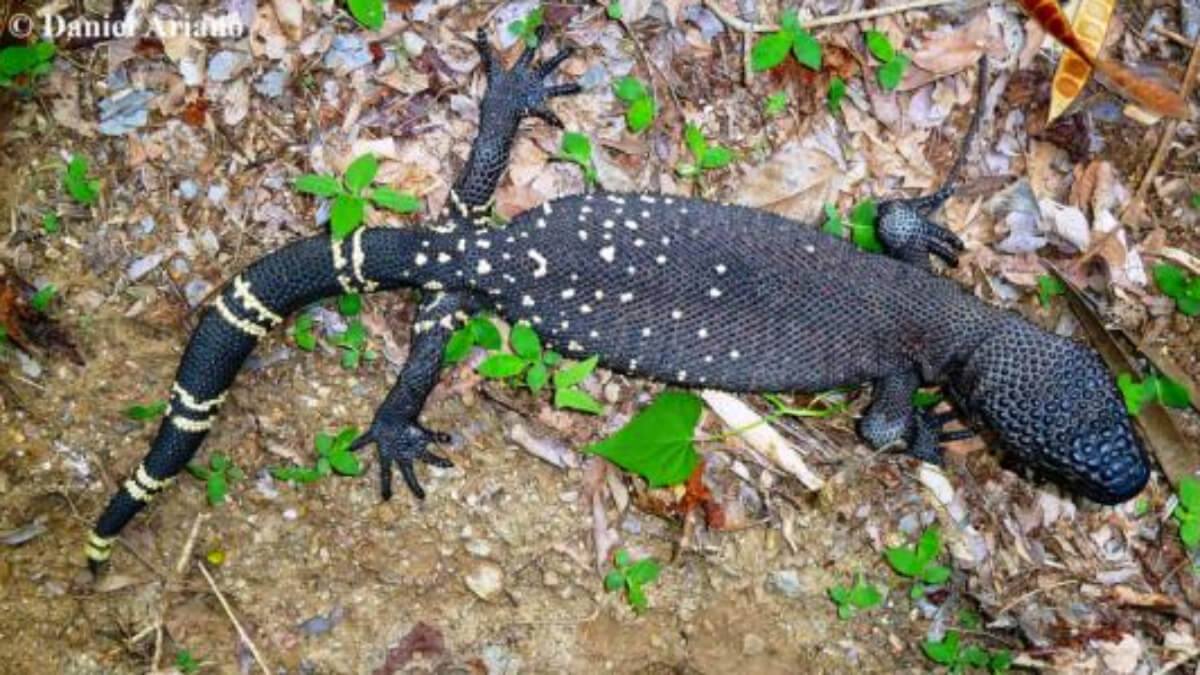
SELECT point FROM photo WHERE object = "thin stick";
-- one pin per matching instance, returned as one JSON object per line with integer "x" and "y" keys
{"x": 747, "y": 27}
{"x": 233, "y": 619}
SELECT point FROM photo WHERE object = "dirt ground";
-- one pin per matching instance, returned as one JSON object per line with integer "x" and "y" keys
{"x": 498, "y": 570}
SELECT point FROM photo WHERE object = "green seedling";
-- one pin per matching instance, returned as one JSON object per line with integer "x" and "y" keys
{"x": 530, "y": 365}
{"x": 82, "y": 189}
{"x": 642, "y": 107}
{"x": 706, "y": 157}
{"x": 926, "y": 399}
{"x": 186, "y": 663}
{"x": 835, "y": 94}
{"x": 1049, "y": 287}
{"x": 349, "y": 304}
{"x": 834, "y": 225}
{"x": 891, "y": 72}
{"x": 352, "y": 192}
{"x": 1156, "y": 388}
{"x": 1178, "y": 285}
{"x": 632, "y": 576}
{"x": 577, "y": 148}
{"x": 527, "y": 28}
{"x": 41, "y": 300}
{"x": 857, "y": 597}
{"x": 147, "y": 412}
{"x": 917, "y": 562}
{"x": 370, "y": 13}
{"x": 50, "y": 223}
{"x": 862, "y": 225}
{"x": 216, "y": 477}
{"x": 353, "y": 343}
{"x": 950, "y": 652}
{"x": 771, "y": 50}
{"x": 1187, "y": 512}
{"x": 303, "y": 334}
{"x": 20, "y": 65}
{"x": 614, "y": 10}
{"x": 334, "y": 456}
{"x": 657, "y": 443}
{"x": 479, "y": 331}
{"x": 775, "y": 105}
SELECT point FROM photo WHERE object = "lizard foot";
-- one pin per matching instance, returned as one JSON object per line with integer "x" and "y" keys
{"x": 927, "y": 435}
{"x": 909, "y": 235}
{"x": 522, "y": 89}
{"x": 402, "y": 443}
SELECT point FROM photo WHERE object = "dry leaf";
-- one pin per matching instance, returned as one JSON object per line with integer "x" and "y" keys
{"x": 802, "y": 176}
{"x": 290, "y": 14}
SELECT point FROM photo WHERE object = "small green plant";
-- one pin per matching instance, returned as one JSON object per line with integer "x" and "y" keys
{"x": 577, "y": 148}
{"x": 50, "y": 223}
{"x": 185, "y": 662}
{"x": 1141, "y": 507}
{"x": 351, "y": 193}
{"x": 216, "y": 477}
{"x": 926, "y": 399}
{"x": 614, "y": 10}
{"x": 833, "y": 226}
{"x": 770, "y": 50}
{"x": 632, "y": 576}
{"x": 349, "y": 304}
{"x": 81, "y": 188}
{"x": 775, "y": 105}
{"x": 370, "y": 13}
{"x": 530, "y": 365}
{"x": 707, "y": 157}
{"x": 1049, "y": 287}
{"x": 333, "y": 457}
{"x": 862, "y": 225}
{"x": 1195, "y": 200}
{"x": 41, "y": 300}
{"x": 859, "y": 596}
{"x": 527, "y": 28}
{"x": 835, "y": 94}
{"x": 657, "y": 443}
{"x": 642, "y": 107}
{"x": 1156, "y": 388}
{"x": 950, "y": 652}
{"x": 353, "y": 343}
{"x": 144, "y": 413}
{"x": 303, "y": 334}
{"x": 1187, "y": 512}
{"x": 893, "y": 62}
{"x": 917, "y": 562}
{"x": 1178, "y": 285}
{"x": 478, "y": 331}
{"x": 26, "y": 62}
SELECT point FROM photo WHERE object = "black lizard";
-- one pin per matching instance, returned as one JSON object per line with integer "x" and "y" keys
{"x": 681, "y": 290}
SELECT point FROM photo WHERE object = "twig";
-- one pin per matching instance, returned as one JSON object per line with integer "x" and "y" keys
{"x": 233, "y": 619}
{"x": 747, "y": 27}
{"x": 1178, "y": 661}
{"x": 1030, "y": 594}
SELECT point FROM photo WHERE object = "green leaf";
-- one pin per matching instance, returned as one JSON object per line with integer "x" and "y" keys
{"x": 349, "y": 304}
{"x": 368, "y": 12}
{"x": 789, "y": 21}
{"x": 361, "y": 172}
{"x": 806, "y": 49}
{"x": 630, "y": 89}
{"x": 614, "y": 581}
{"x": 621, "y": 558}
{"x": 79, "y": 186}
{"x": 525, "y": 342}
{"x": 1187, "y": 305}
{"x": 344, "y": 439}
{"x": 864, "y": 595}
{"x": 574, "y": 399}
{"x": 657, "y": 442}
{"x": 197, "y": 470}
{"x": 458, "y": 347}
{"x": 317, "y": 184}
{"x": 216, "y": 488}
{"x": 862, "y": 227}
{"x": 1171, "y": 279}
{"x": 498, "y": 366}
{"x": 904, "y": 561}
{"x": 840, "y": 594}
{"x": 935, "y": 575}
{"x": 845, "y": 612}
{"x": 637, "y": 598}
{"x": 1049, "y": 287}
{"x": 355, "y": 336}
{"x": 770, "y": 51}
{"x": 944, "y": 652}
{"x": 302, "y": 332}
{"x": 147, "y": 412}
{"x": 485, "y": 333}
{"x": 1189, "y": 532}
{"x": 1000, "y": 661}
{"x": 1171, "y": 393}
{"x": 551, "y": 358}
{"x": 969, "y": 620}
{"x": 775, "y": 104}
{"x": 833, "y": 222}
{"x": 50, "y": 223}
{"x": 614, "y": 10}
{"x": 929, "y": 545}
{"x": 298, "y": 474}
{"x": 640, "y": 114}
{"x": 573, "y": 375}
{"x": 536, "y": 377}
{"x": 891, "y": 73}
{"x": 345, "y": 463}
{"x": 395, "y": 200}
{"x": 577, "y": 147}
{"x": 974, "y": 656}
{"x": 185, "y": 662}
{"x": 643, "y": 572}
{"x": 345, "y": 216}
{"x": 323, "y": 443}
{"x": 1189, "y": 494}
{"x": 926, "y": 399}
{"x": 41, "y": 300}
{"x": 695, "y": 140}
{"x": 837, "y": 92}
{"x": 716, "y": 157}
{"x": 879, "y": 45}
{"x": 1133, "y": 392}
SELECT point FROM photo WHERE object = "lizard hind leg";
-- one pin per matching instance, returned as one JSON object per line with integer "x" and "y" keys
{"x": 892, "y": 422}
{"x": 908, "y": 235}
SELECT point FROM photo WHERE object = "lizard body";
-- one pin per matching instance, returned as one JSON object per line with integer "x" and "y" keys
{"x": 680, "y": 290}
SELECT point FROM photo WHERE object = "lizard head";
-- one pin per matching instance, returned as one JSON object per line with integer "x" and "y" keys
{"x": 1057, "y": 411}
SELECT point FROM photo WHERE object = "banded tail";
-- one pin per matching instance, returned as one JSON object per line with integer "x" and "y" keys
{"x": 256, "y": 300}
{"x": 1123, "y": 80}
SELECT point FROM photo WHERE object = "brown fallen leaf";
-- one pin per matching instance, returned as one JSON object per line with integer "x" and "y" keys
{"x": 27, "y": 328}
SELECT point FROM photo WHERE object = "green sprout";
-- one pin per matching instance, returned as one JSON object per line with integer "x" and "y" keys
{"x": 859, "y": 596}
{"x": 302, "y": 333}
{"x": 370, "y": 13}
{"x": 146, "y": 412}
{"x": 632, "y": 576}
{"x": 50, "y": 223}
{"x": 707, "y": 157}
{"x": 1156, "y": 388}
{"x": 775, "y": 105}
{"x": 835, "y": 94}
{"x": 1188, "y": 512}
{"x": 1049, "y": 287}
{"x": 185, "y": 662}
{"x": 20, "y": 65}
{"x": 771, "y": 50}
{"x": 216, "y": 477}
{"x": 642, "y": 107}
{"x": 351, "y": 194}
{"x": 82, "y": 189}
{"x": 353, "y": 343}
{"x": 527, "y": 28}
{"x": 950, "y": 652}
{"x": 862, "y": 225}
{"x": 577, "y": 148}
{"x": 893, "y": 62}
{"x": 478, "y": 331}
{"x": 41, "y": 300}
{"x": 530, "y": 365}
{"x": 917, "y": 562}
{"x": 334, "y": 456}
{"x": 1178, "y": 285}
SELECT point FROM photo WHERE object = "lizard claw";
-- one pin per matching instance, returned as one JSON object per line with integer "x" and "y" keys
{"x": 927, "y": 435}
{"x": 522, "y": 90}
{"x": 402, "y": 443}
{"x": 910, "y": 236}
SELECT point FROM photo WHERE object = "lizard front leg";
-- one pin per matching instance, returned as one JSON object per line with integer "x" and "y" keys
{"x": 892, "y": 419}
{"x": 400, "y": 440}
{"x": 511, "y": 96}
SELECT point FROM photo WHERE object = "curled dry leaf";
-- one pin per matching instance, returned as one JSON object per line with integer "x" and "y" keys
{"x": 290, "y": 14}
{"x": 802, "y": 176}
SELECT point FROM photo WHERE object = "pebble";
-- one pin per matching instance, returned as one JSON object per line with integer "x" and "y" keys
{"x": 347, "y": 53}
{"x": 226, "y": 64}
{"x": 270, "y": 85}
{"x": 787, "y": 582}
{"x": 217, "y": 192}
{"x": 124, "y": 112}
{"x": 196, "y": 290}
{"x": 479, "y": 548}
{"x": 142, "y": 266}
{"x": 485, "y": 581}
{"x": 148, "y": 225}
{"x": 188, "y": 190}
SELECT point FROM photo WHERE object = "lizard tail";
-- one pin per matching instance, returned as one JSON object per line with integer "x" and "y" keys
{"x": 259, "y": 298}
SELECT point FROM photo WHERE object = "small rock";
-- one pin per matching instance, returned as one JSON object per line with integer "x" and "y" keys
{"x": 226, "y": 64}
{"x": 347, "y": 53}
{"x": 196, "y": 290}
{"x": 413, "y": 44}
{"x": 148, "y": 225}
{"x": 30, "y": 368}
{"x": 188, "y": 190}
{"x": 217, "y": 192}
{"x": 209, "y": 242}
{"x": 479, "y": 548}
{"x": 787, "y": 582}
{"x": 485, "y": 581}
{"x": 142, "y": 266}
{"x": 752, "y": 645}
{"x": 270, "y": 85}
{"x": 909, "y": 524}
{"x": 124, "y": 112}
